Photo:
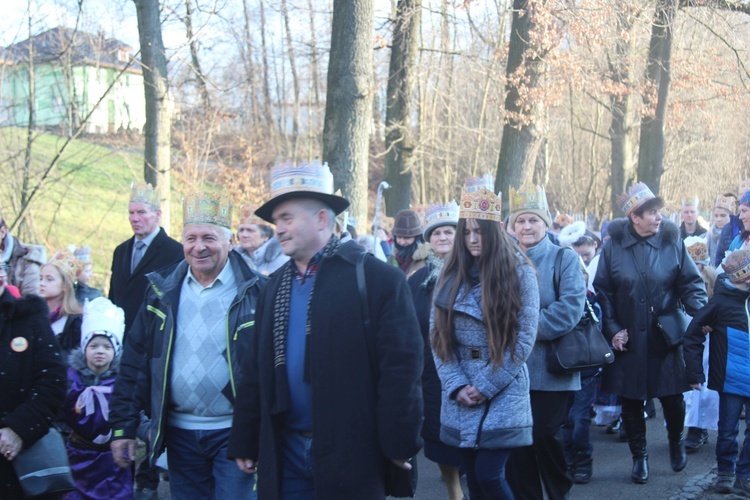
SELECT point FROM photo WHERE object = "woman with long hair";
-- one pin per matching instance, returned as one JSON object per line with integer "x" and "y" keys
{"x": 56, "y": 287}
{"x": 484, "y": 321}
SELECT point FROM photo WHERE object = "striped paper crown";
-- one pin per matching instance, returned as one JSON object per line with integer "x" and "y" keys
{"x": 487, "y": 181}
{"x": 247, "y": 216}
{"x": 726, "y": 202}
{"x": 207, "y": 208}
{"x": 633, "y": 198}
{"x": 311, "y": 177}
{"x": 438, "y": 215}
{"x": 66, "y": 263}
{"x": 529, "y": 198}
{"x": 697, "y": 249}
{"x": 142, "y": 192}
{"x": 481, "y": 204}
{"x": 741, "y": 268}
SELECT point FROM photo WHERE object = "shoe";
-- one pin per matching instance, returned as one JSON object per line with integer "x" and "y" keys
{"x": 639, "y": 475}
{"x": 696, "y": 438}
{"x": 583, "y": 470}
{"x": 723, "y": 484}
{"x": 650, "y": 409}
{"x": 677, "y": 455}
{"x": 742, "y": 486}
{"x": 613, "y": 427}
{"x": 146, "y": 494}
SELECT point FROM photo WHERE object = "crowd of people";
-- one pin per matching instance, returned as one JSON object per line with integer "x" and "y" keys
{"x": 287, "y": 357}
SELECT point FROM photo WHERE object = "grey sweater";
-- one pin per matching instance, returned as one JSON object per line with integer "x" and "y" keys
{"x": 556, "y": 316}
{"x": 504, "y": 420}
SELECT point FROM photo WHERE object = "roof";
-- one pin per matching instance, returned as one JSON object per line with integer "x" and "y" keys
{"x": 86, "y": 49}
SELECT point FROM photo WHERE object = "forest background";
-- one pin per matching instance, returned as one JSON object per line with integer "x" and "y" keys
{"x": 581, "y": 96}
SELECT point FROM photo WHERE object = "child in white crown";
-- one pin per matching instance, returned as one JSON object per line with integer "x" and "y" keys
{"x": 92, "y": 373}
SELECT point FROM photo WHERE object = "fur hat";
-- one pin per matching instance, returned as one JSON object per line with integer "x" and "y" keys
{"x": 407, "y": 224}
{"x": 102, "y": 317}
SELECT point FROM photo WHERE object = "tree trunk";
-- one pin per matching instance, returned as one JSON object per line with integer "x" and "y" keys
{"x": 651, "y": 144}
{"x": 268, "y": 110}
{"x": 399, "y": 139}
{"x": 521, "y": 139}
{"x": 194, "y": 61}
{"x": 295, "y": 80}
{"x": 158, "y": 106}
{"x": 348, "y": 119}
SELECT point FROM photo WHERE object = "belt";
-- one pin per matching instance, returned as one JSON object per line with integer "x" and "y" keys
{"x": 78, "y": 441}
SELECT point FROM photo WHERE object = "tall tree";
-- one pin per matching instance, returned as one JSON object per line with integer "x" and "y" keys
{"x": 348, "y": 119}
{"x": 156, "y": 168}
{"x": 399, "y": 139}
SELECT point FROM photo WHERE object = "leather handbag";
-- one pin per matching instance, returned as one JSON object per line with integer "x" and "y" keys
{"x": 582, "y": 348}
{"x": 43, "y": 467}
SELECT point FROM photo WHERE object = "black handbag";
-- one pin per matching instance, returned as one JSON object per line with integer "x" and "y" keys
{"x": 583, "y": 347}
{"x": 672, "y": 325}
{"x": 43, "y": 467}
{"x": 398, "y": 482}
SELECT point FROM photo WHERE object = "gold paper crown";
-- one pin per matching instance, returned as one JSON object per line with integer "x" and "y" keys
{"x": 438, "y": 215}
{"x": 207, "y": 208}
{"x": 637, "y": 195}
{"x": 697, "y": 249}
{"x": 529, "y": 198}
{"x": 740, "y": 269}
{"x": 247, "y": 216}
{"x": 487, "y": 181}
{"x": 690, "y": 202}
{"x": 142, "y": 192}
{"x": 726, "y": 202}
{"x": 481, "y": 204}
{"x": 66, "y": 263}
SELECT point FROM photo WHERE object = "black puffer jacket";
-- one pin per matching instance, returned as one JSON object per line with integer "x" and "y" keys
{"x": 648, "y": 368}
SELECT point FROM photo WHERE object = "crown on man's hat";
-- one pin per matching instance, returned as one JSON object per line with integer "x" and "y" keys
{"x": 531, "y": 199}
{"x": 207, "y": 208}
{"x": 635, "y": 197}
{"x": 306, "y": 180}
{"x": 143, "y": 192}
{"x": 698, "y": 249}
{"x": 481, "y": 204}
{"x": 728, "y": 203}
{"x": 739, "y": 270}
{"x": 66, "y": 262}
{"x": 247, "y": 215}
{"x": 438, "y": 215}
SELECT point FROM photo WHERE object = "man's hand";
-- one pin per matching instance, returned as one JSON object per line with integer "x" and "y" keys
{"x": 246, "y": 465}
{"x": 10, "y": 443}
{"x": 123, "y": 452}
{"x": 707, "y": 329}
{"x": 402, "y": 463}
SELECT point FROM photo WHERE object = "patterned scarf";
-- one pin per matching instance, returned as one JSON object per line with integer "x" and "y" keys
{"x": 56, "y": 314}
{"x": 282, "y": 305}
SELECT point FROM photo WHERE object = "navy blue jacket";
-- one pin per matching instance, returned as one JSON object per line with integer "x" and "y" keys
{"x": 728, "y": 234}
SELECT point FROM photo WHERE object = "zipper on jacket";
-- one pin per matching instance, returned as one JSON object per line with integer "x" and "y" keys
{"x": 159, "y": 313}
{"x": 163, "y": 393}
{"x": 242, "y": 327}
{"x": 481, "y": 422}
{"x": 240, "y": 298}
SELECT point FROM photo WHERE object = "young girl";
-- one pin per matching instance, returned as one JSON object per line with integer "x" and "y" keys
{"x": 92, "y": 373}
{"x": 57, "y": 289}
{"x": 485, "y": 314}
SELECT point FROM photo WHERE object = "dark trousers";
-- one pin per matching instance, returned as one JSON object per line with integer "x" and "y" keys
{"x": 576, "y": 429}
{"x": 543, "y": 463}
{"x": 147, "y": 475}
{"x": 485, "y": 474}
{"x": 673, "y": 408}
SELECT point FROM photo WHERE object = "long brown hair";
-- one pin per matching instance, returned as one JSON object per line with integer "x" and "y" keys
{"x": 501, "y": 291}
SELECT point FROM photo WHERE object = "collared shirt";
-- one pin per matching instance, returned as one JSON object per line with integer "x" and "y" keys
{"x": 312, "y": 268}
{"x": 223, "y": 280}
{"x": 147, "y": 241}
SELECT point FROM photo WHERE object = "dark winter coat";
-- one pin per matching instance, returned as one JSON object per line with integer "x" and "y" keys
{"x": 648, "y": 368}
{"x": 32, "y": 377}
{"x": 728, "y": 234}
{"x": 699, "y": 230}
{"x": 143, "y": 382}
{"x": 126, "y": 289}
{"x": 84, "y": 292}
{"x": 357, "y": 420}
{"x": 26, "y": 264}
{"x": 728, "y": 353}
{"x": 70, "y": 337}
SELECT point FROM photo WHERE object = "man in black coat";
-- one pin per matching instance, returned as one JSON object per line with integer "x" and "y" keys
{"x": 127, "y": 285}
{"x": 128, "y": 282}
{"x": 327, "y": 404}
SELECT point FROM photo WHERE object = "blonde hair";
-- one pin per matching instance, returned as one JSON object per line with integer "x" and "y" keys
{"x": 69, "y": 304}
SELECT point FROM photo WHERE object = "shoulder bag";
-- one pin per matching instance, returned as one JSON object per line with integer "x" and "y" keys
{"x": 398, "y": 482}
{"x": 583, "y": 347}
{"x": 671, "y": 325}
{"x": 43, "y": 467}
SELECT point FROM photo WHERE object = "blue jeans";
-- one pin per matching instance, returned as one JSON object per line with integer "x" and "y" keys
{"x": 730, "y": 408}
{"x": 199, "y": 467}
{"x": 297, "y": 466}
{"x": 575, "y": 431}
{"x": 485, "y": 473}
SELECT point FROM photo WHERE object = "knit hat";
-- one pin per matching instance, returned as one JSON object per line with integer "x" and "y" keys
{"x": 438, "y": 215}
{"x": 66, "y": 262}
{"x": 740, "y": 268}
{"x": 728, "y": 203}
{"x": 407, "y": 224}
{"x": 102, "y": 317}
{"x": 207, "y": 208}
{"x": 634, "y": 198}
{"x": 698, "y": 250}
{"x": 531, "y": 199}
{"x": 306, "y": 180}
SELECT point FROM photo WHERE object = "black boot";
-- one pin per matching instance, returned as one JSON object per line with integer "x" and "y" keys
{"x": 583, "y": 468}
{"x": 674, "y": 414}
{"x": 635, "y": 427}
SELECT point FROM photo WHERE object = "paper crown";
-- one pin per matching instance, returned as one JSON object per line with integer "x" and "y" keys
{"x": 529, "y": 198}
{"x": 66, "y": 262}
{"x": 698, "y": 249}
{"x": 691, "y": 202}
{"x": 142, "y": 192}
{"x": 487, "y": 181}
{"x": 83, "y": 254}
{"x": 438, "y": 215}
{"x": 309, "y": 180}
{"x": 633, "y": 198}
{"x": 744, "y": 192}
{"x": 481, "y": 204}
{"x": 739, "y": 270}
{"x": 726, "y": 202}
{"x": 207, "y": 208}
{"x": 102, "y": 317}
{"x": 247, "y": 216}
